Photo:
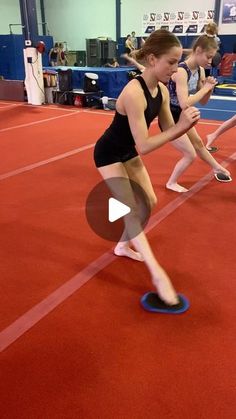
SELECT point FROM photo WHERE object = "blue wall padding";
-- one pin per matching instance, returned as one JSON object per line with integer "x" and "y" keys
{"x": 11, "y": 55}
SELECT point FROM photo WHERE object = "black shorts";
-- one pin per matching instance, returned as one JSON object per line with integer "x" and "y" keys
{"x": 176, "y": 111}
{"x": 107, "y": 152}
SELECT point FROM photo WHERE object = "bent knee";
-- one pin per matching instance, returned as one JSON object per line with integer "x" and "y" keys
{"x": 192, "y": 155}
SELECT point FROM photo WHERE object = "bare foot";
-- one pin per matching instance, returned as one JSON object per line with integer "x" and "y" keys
{"x": 165, "y": 290}
{"x": 124, "y": 250}
{"x": 176, "y": 187}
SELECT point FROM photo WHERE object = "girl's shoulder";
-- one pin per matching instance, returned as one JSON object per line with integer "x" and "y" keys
{"x": 183, "y": 73}
{"x": 185, "y": 66}
{"x": 132, "y": 89}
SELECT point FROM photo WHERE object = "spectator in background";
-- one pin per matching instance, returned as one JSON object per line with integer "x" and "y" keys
{"x": 62, "y": 59}
{"x": 54, "y": 55}
{"x": 134, "y": 40}
{"x": 128, "y": 45}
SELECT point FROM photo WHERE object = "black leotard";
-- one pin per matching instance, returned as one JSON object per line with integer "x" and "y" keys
{"x": 117, "y": 143}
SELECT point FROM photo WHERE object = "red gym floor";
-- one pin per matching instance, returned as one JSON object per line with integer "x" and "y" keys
{"x": 75, "y": 341}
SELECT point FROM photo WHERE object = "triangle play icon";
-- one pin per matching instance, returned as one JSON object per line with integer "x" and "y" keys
{"x": 116, "y": 209}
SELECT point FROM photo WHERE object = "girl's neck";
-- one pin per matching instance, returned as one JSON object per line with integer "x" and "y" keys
{"x": 191, "y": 62}
{"x": 149, "y": 79}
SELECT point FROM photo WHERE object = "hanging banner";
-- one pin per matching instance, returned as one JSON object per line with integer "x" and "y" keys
{"x": 178, "y": 22}
{"x": 229, "y": 11}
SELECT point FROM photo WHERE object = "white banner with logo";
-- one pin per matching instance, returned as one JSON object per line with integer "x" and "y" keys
{"x": 178, "y": 22}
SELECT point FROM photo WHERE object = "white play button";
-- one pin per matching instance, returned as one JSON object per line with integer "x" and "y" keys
{"x": 116, "y": 210}
{"x": 108, "y": 205}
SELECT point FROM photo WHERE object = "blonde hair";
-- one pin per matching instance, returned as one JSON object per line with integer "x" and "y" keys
{"x": 205, "y": 42}
{"x": 158, "y": 44}
{"x": 211, "y": 29}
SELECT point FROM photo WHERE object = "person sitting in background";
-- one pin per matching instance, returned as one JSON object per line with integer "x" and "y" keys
{"x": 114, "y": 63}
{"x": 54, "y": 55}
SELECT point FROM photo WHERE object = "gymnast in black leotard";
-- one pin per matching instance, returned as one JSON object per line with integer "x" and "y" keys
{"x": 116, "y": 152}
{"x": 117, "y": 143}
